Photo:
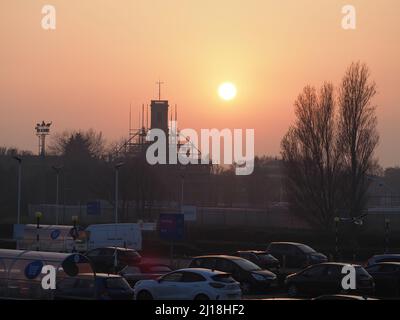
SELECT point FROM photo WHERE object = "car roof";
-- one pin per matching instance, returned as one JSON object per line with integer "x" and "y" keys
{"x": 219, "y": 256}
{"x": 202, "y": 271}
{"x": 290, "y": 243}
{"x": 387, "y": 263}
{"x": 345, "y": 296}
{"x": 340, "y": 264}
{"x": 98, "y": 275}
{"x": 114, "y": 248}
{"x": 394, "y": 255}
{"x": 252, "y": 251}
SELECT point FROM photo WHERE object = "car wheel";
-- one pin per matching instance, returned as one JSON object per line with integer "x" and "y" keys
{"x": 201, "y": 297}
{"x": 144, "y": 295}
{"x": 246, "y": 287}
{"x": 293, "y": 291}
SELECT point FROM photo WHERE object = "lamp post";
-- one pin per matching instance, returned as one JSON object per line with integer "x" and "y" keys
{"x": 337, "y": 220}
{"x": 387, "y": 235}
{"x": 57, "y": 170}
{"x": 182, "y": 190}
{"x": 75, "y": 232}
{"x": 38, "y": 217}
{"x": 117, "y": 167}
{"x": 19, "y": 188}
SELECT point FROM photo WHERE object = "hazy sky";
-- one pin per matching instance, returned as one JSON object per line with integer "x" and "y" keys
{"x": 105, "y": 54}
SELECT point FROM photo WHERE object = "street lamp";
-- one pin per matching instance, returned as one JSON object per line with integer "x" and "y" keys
{"x": 182, "y": 190}
{"x": 38, "y": 216}
{"x": 117, "y": 167}
{"x": 337, "y": 220}
{"x": 387, "y": 235}
{"x": 19, "y": 189}
{"x": 57, "y": 170}
{"x": 75, "y": 233}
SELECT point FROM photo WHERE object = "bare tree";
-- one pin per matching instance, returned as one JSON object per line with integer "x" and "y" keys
{"x": 358, "y": 136}
{"x": 311, "y": 159}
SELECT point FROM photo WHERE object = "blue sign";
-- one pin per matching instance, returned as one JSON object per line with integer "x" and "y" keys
{"x": 33, "y": 270}
{"x": 93, "y": 208}
{"x": 171, "y": 226}
{"x": 55, "y": 234}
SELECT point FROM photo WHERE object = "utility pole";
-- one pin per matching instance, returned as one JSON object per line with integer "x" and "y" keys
{"x": 57, "y": 170}
{"x": 19, "y": 188}
{"x": 117, "y": 167}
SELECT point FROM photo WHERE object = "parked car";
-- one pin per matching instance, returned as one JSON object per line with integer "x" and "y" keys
{"x": 144, "y": 271}
{"x": 262, "y": 259}
{"x": 343, "y": 297}
{"x": 90, "y": 287}
{"x": 295, "y": 256}
{"x": 189, "y": 284}
{"x": 326, "y": 278}
{"x": 383, "y": 258}
{"x": 387, "y": 278}
{"x": 103, "y": 259}
{"x": 251, "y": 277}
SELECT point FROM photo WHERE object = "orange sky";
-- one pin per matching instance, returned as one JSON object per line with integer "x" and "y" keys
{"x": 108, "y": 53}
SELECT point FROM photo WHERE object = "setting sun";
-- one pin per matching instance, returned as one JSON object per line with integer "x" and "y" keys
{"x": 227, "y": 91}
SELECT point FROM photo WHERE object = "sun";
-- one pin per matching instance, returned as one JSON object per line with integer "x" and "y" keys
{"x": 227, "y": 91}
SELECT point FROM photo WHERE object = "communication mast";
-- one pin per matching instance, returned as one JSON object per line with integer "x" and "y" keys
{"x": 42, "y": 131}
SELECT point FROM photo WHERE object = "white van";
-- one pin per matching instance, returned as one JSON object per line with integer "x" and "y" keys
{"x": 125, "y": 235}
{"x": 51, "y": 238}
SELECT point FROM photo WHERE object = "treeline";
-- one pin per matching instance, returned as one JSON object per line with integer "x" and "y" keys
{"x": 86, "y": 167}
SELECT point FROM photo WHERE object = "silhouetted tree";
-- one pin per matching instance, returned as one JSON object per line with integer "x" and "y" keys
{"x": 310, "y": 156}
{"x": 328, "y": 155}
{"x": 358, "y": 136}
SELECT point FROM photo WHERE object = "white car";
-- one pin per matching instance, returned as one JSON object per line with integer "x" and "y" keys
{"x": 189, "y": 284}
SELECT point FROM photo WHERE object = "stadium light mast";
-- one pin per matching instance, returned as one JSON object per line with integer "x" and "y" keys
{"x": 42, "y": 131}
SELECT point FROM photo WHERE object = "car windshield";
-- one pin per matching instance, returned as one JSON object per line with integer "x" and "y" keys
{"x": 306, "y": 249}
{"x": 361, "y": 271}
{"x": 131, "y": 255}
{"x": 247, "y": 265}
{"x": 159, "y": 269}
{"x": 117, "y": 283}
{"x": 264, "y": 256}
{"x": 225, "y": 278}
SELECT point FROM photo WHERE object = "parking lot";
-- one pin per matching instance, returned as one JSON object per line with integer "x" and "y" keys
{"x": 286, "y": 270}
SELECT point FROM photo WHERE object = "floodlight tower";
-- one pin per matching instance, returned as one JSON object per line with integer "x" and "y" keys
{"x": 42, "y": 130}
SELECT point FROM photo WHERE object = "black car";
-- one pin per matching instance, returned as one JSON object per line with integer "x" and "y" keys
{"x": 325, "y": 279}
{"x": 383, "y": 258}
{"x": 387, "y": 278}
{"x": 261, "y": 258}
{"x": 251, "y": 277}
{"x": 111, "y": 259}
{"x": 295, "y": 256}
{"x": 90, "y": 287}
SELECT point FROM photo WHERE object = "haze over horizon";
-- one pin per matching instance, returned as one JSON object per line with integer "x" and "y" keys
{"x": 105, "y": 55}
